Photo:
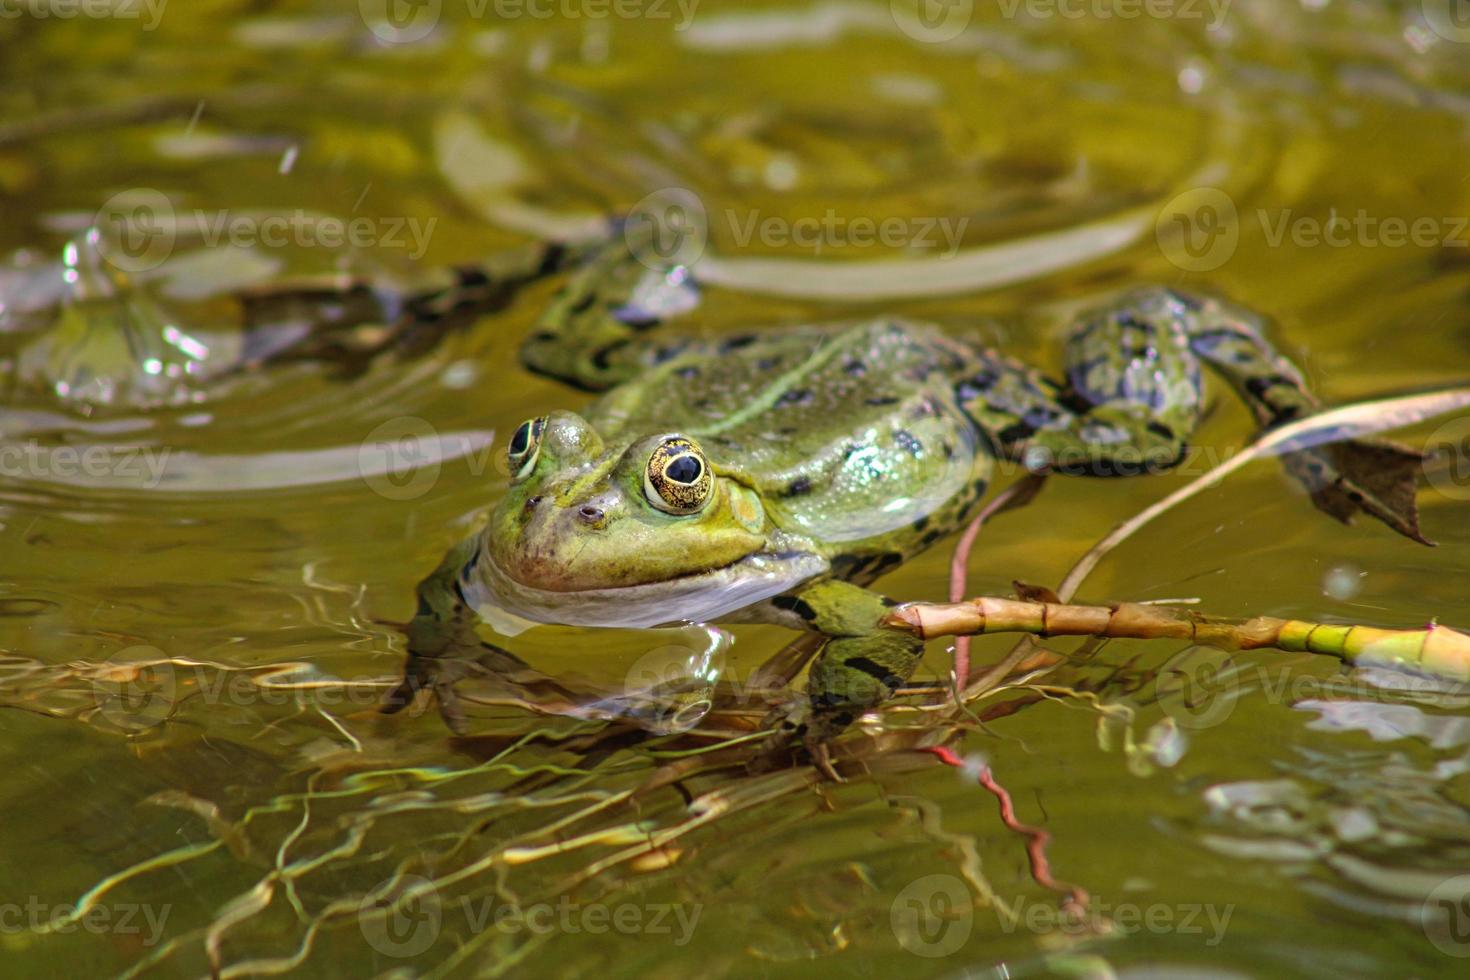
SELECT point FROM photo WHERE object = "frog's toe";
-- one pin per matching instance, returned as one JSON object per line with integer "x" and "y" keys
{"x": 1359, "y": 476}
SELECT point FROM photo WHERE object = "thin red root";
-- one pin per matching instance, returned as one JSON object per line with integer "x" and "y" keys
{"x": 1076, "y": 897}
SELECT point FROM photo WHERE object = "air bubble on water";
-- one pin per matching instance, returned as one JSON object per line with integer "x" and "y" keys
{"x": 1192, "y": 77}
{"x": 1343, "y": 582}
{"x": 288, "y": 159}
{"x": 782, "y": 173}
{"x": 459, "y": 375}
{"x": 1036, "y": 459}
{"x": 1419, "y": 38}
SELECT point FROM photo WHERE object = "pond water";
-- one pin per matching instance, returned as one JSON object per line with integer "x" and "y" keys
{"x": 200, "y": 570}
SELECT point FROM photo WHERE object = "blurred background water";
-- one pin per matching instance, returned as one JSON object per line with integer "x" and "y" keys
{"x": 236, "y": 546}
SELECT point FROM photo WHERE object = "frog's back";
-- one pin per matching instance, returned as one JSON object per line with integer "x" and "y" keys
{"x": 850, "y": 433}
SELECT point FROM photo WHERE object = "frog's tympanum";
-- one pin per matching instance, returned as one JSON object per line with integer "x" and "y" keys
{"x": 773, "y": 476}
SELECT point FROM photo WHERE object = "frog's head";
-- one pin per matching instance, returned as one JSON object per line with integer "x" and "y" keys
{"x": 581, "y": 515}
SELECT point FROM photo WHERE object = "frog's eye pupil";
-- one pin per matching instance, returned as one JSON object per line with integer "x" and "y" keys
{"x": 684, "y": 469}
{"x": 678, "y": 479}
{"x": 525, "y": 446}
{"x": 521, "y": 440}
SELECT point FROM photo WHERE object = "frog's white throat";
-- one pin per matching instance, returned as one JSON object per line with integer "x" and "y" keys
{"x": 704, "y": 597}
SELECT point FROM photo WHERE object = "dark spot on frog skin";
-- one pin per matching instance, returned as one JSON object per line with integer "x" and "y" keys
{"x": 600, "y": 357}
{"x": 797, "y": 396}
{"x": 1014, "y": 432}
{"x": 909, "y": 443}
{"x": 767, "y": 363}
{"x": 864, "y": 568}
{"x": 551, "y": 259}
{"x": 874, "y": 670}
{"x": 921, "y": 523}
{"x": 735, "y": 343}
{"x": 687, "y": 373}
{"x": 1160, "y": 430}
{"x": 883, "y": 400}
{"x": 855, "y": 368}
{"x": 664, "y": 354}
{"x": 798, "y": 487}
{"x": 583, "y": 304}
{"x": 931, "y": 537}
{"x": 1258, "y": 387}
{"x": 1074, "y": 402}
{"x": 880, "y": 564}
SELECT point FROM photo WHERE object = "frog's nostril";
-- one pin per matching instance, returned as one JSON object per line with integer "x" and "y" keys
{"x": 590, "y": 514}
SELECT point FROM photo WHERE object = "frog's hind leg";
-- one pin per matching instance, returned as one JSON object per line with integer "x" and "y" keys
{"x": 348, "y": 322}
{"x": 1344, "y": 478}
{"x": 1133, "y": 393}
{"x": 596, "y": 332}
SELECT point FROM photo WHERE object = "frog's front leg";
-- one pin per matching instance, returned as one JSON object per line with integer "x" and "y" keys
{"x": 862, "y": 663}
{"x": 444, "y": 648}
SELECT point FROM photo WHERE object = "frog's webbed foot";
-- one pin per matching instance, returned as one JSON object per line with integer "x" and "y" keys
{"x": 487, "y": 670}
{"x": 1378, "y": 478}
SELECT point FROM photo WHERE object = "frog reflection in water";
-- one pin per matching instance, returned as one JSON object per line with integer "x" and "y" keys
{"x": 774, "y": 476}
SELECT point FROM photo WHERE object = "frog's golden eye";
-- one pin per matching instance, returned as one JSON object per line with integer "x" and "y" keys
{"x": 525, "y": 444}
{"x": 678, "y": 479}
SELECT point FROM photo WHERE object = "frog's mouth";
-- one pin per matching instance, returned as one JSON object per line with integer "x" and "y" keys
{"x": 701, "y": 597}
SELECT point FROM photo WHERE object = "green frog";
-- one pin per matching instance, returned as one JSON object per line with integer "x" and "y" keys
{"x": 774, "y": 476}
